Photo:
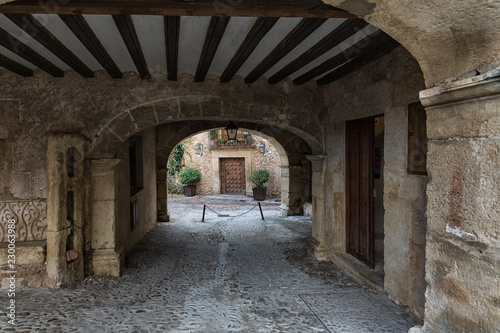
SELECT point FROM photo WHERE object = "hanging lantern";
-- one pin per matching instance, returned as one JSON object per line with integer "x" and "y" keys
{"x": 232, "y": 131}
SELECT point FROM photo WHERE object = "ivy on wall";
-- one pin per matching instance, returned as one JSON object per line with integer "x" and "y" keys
{"x": 177, "y": 159}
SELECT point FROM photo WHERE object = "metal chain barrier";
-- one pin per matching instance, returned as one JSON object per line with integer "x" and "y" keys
{"x": 225, "y": 215}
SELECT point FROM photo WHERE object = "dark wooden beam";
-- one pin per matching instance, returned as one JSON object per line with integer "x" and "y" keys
{"x": 172, "y": 27}
{"x": 13, "y": 44}
{"x": 126, "y": 28}
{"x": 306, "y": 27}
{"x": 212, "y": 40}
{"x": 81, "y": 29}
{"x": 380, "y": 45}
{"x": 42, "y": 35}
{"x": 337, "y": 36}
{"x": 15, "y": 67}
{"x": 250, "y": 8}
{"x": 258, "y": 31}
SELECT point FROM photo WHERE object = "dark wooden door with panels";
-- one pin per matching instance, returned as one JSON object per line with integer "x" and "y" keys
{"x": 233, "y": 176}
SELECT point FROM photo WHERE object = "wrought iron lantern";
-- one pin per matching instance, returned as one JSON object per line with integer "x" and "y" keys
{"x": 232, "y": 131}
{"x": 262, "y": 148}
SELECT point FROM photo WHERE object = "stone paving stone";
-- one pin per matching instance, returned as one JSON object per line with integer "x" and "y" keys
{"x": 226, "y": 275}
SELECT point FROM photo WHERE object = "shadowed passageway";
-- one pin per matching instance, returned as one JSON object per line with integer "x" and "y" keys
{"x": 226, "y": 275}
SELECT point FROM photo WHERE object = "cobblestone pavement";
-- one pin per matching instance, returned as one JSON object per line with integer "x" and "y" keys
{"x": 225, "y": 275}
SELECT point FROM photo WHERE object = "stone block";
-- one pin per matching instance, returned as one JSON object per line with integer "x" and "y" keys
{"x": 211, "y": 106}
{"x": 103, "y": 188}
{"x": 167, "y": 111}
{"x": 123, "y": 126}
{"x": 144, "y": 117}
{"x": 107, "y": 262}
{"x": 103, "y": 230}
{"x": 27, "y": 253}
{"x": 463, "y": 191}
{"x": 464, "y": 120}
{"x": 190, "y": 106}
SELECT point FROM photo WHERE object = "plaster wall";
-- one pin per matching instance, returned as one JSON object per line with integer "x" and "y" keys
{"x": 386, "y": 87}
{"x": 146, "y": 198}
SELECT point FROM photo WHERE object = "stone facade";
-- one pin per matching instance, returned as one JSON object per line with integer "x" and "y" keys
{"x": 208, "y": 163}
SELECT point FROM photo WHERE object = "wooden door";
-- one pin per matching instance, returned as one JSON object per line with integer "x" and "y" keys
{"x": 233, "y": 176}
{"x": 359, "y": 189}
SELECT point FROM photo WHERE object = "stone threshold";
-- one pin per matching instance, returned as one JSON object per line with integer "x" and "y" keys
{"x": 364, "y": 274}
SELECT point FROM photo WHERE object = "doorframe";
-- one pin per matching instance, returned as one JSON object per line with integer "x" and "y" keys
{"x": 242, "y": 152}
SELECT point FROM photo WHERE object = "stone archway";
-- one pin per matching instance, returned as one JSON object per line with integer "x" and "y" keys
{"x": 295, "y": 168}
{"x": 181, "y": 117}
{"x": 448, "y": 42}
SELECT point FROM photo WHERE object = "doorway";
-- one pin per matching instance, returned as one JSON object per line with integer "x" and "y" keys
{"x": 232, "y": 173}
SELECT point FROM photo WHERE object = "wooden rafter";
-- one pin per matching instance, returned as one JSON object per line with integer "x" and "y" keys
{"x": 13, "y": 44}
{"x": 337, "y": 36}
{"x": 81, "y": 29}
{"x": 42, "y": 35}
{"x": 250, "y": 8}
{"x": 258, "y": 31}
{"x": 126, "y": 28}
{"x": 172, "y": 27}
{"x": 212, "y": 40}
{"x": 381, "y": 44}
{"x": 306, "y": 27}
{"x": 15, "y": 67}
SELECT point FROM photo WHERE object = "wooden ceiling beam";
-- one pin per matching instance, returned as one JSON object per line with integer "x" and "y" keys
{"x": 301, "y": 31}
{"x": 172, "y": 28}
{"x": 126, "y": 28}
{"x": 212, "y": 40}
{"x": 337, "y": 36}
{"x": 249, "y": 8}
{"x": 381, "y": 44}
{"x": 15, "y": 45}
{"x": 37, "y": 31}
{"x": 258, "y": 31}
{"x": 81, "y": 29}
{"x": 15, "y": 67}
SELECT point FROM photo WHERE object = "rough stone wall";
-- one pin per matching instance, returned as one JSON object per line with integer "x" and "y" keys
{"x": 385, "y": 86}
{"x": 270, "y": 161}
{"x": 32, "y": 107}
{"x": 23, "y": 144}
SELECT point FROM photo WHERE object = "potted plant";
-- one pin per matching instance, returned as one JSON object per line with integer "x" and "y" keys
{"x": 189, "y": 177}
{"x": 258, "y": 178}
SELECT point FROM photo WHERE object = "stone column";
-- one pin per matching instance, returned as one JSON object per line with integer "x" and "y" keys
{"x": 107, "y": 257}
{"x": 65, "y": 195}
{"x": 291, "y": 189}
{"x": 317, "y": 243}
{"x": 162, "y": 193}
{"x": 463, "y": 209}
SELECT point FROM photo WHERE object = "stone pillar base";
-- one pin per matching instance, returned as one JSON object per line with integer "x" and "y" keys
{"x": 318, "y": 251}
{"x": 108, "y": 262}
{"x": 163, "y": 216}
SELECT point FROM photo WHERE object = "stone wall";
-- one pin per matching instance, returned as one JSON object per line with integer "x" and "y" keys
{"x": 384, "y": 87}
{"x": 205, "y": 164}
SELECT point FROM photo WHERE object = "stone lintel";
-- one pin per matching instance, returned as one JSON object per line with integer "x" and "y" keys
{"x": 108, "y": 262}
{"x": 461, "y": 91}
